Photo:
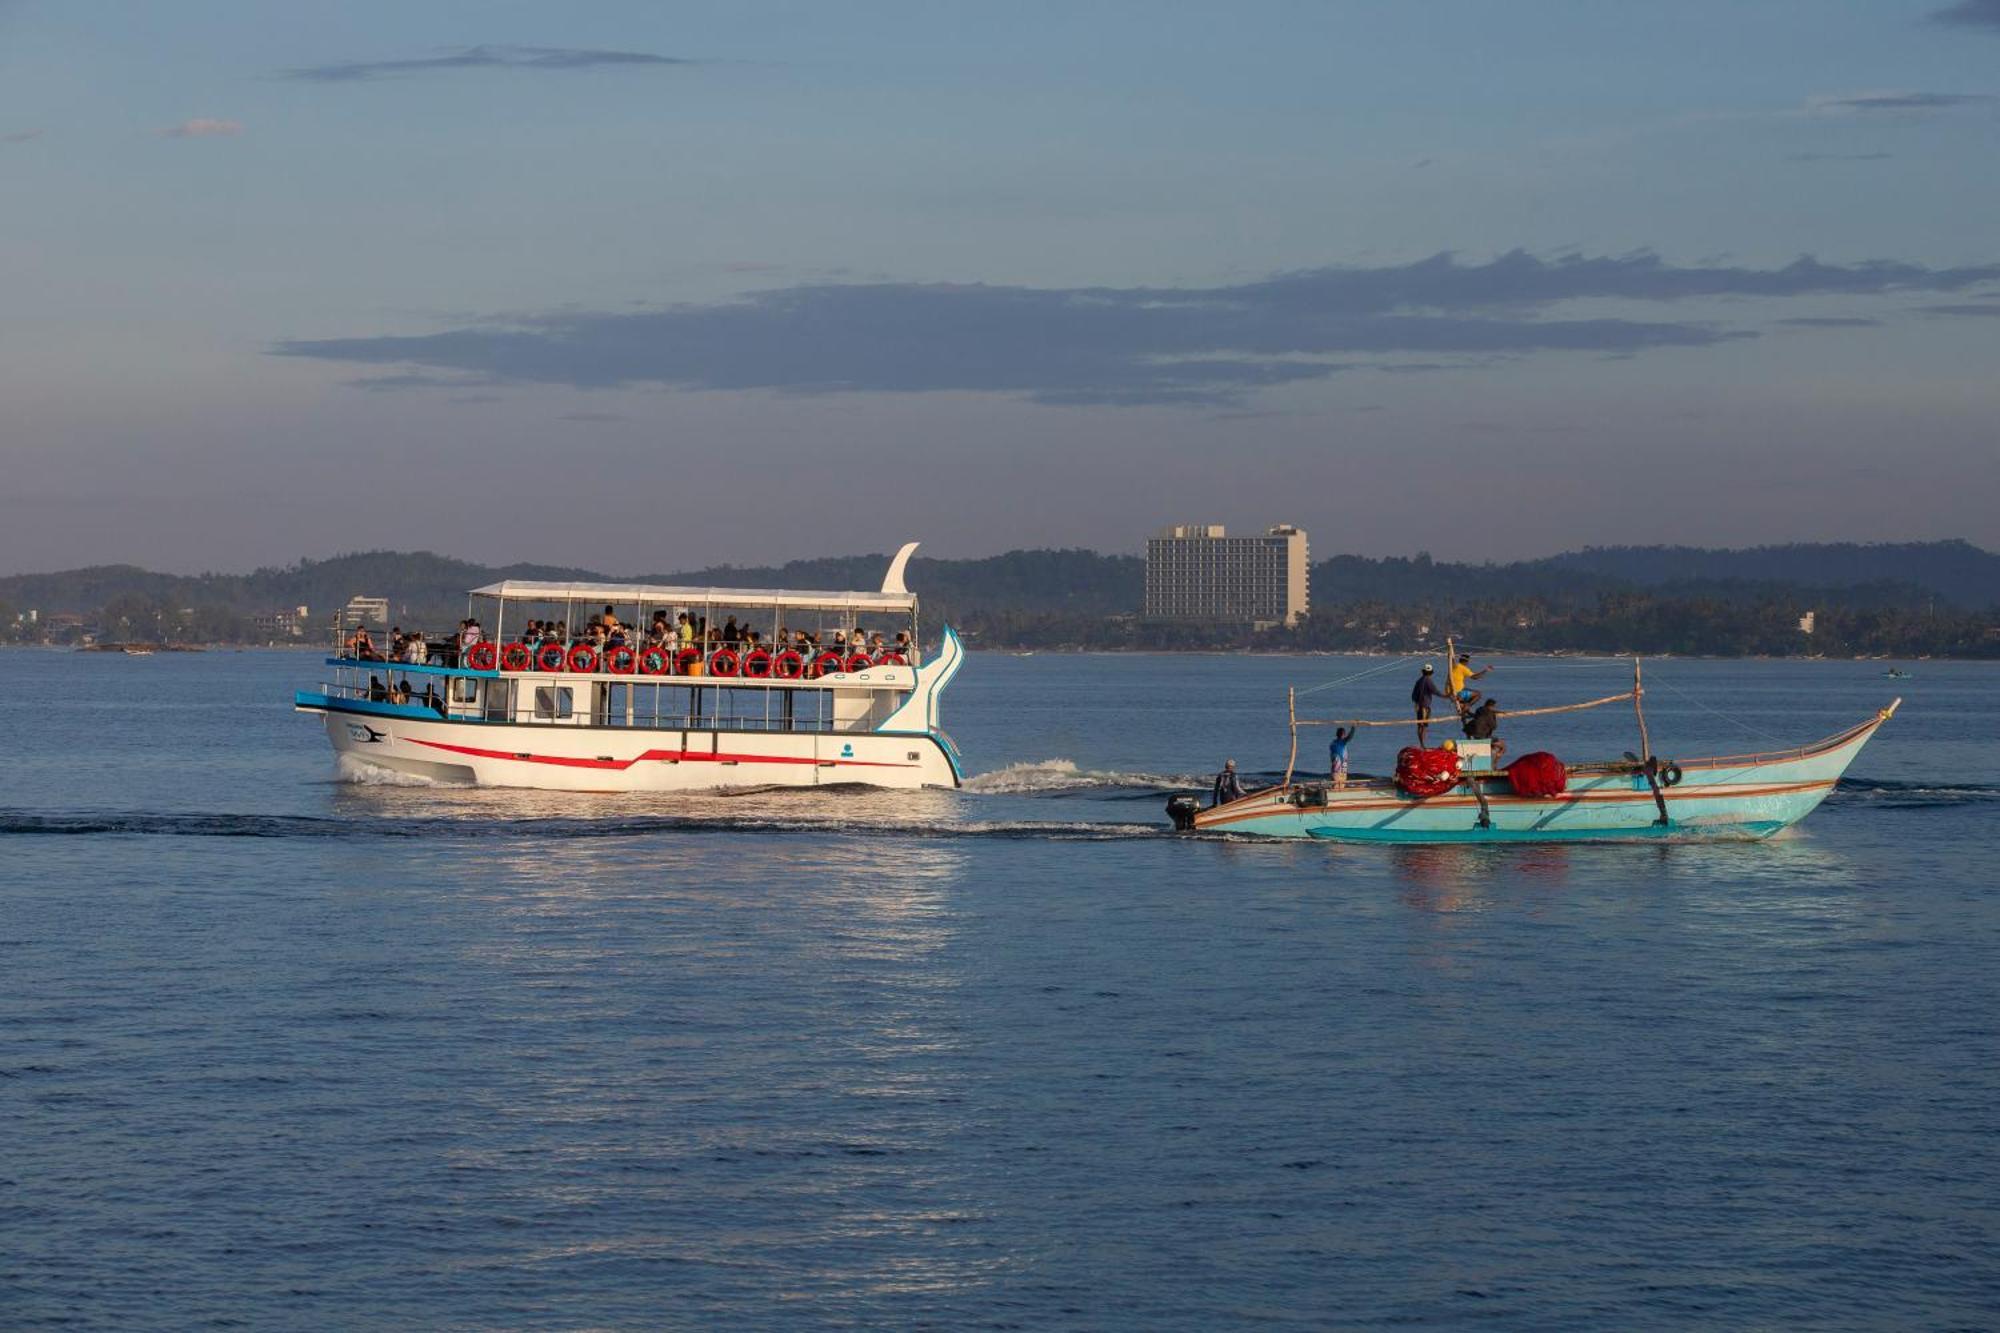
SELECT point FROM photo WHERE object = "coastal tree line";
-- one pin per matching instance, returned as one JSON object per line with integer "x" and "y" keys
{"x": 1938, "y": 598}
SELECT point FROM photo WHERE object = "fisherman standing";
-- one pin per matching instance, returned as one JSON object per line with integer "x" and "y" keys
{"x": 1336, "y": 754}
{"x": 1227, "y": 787}
{"x": 1423, "y": 694}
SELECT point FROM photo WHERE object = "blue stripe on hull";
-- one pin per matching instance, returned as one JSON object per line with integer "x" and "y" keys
{"x": 1750, "y": 831}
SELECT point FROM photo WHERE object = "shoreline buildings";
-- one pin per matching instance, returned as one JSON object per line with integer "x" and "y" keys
{"x": 1197, "y": 571}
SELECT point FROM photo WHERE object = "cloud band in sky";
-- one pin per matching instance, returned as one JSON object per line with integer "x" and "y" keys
{"x": 1103, "y": 345}
{"x": 1970, "y": 14}
{"x": 483, "y": 57}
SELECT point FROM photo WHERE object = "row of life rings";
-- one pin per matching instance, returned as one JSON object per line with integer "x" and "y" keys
{"x": 583, "y": 659}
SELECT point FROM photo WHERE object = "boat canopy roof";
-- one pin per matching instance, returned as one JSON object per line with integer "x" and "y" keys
{"x": 653, "y": 594}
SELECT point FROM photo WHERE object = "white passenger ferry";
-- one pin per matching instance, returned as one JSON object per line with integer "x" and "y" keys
{"x": 562, "y": 713}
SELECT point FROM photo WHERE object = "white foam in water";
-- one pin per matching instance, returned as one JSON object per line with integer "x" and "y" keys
{"x": 349, "y": 769}
{"x": 1063, "y": 775}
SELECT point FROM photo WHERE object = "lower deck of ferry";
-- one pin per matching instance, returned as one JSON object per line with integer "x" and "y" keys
{"x": 633, "y": 733}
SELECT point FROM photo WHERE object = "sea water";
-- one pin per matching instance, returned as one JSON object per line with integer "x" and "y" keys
{"x": 284, "y": 1050}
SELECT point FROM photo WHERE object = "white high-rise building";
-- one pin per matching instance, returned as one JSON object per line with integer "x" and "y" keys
{"x": 1197, "y": 571}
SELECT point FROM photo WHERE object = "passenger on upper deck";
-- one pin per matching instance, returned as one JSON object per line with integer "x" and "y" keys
{"x": 611, "y": 621}
{"x": 360, "y": 647}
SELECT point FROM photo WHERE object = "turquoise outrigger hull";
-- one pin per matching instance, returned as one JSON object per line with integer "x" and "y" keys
{"x": 1734, "y": 796}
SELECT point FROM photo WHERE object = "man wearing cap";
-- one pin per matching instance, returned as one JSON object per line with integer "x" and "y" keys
{"x": 1423, "y": 694}
{"x": 1462, "y": 676}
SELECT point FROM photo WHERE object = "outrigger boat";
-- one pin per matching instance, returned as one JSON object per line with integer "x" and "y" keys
{"x": 1638, "y": 796}
{"x": 566, "y": 717}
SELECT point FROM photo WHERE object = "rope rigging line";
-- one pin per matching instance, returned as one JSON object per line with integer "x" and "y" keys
{"x": 1726, "y": 717}
{"x": 1360, "y": 675}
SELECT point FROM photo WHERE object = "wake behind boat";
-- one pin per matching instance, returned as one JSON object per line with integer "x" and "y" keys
{"x": 1458, "y": 794}
{"x": 549, "y": 700}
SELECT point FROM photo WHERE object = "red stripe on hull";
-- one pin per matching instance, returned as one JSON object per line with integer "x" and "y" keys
{"x": 679, "y": 756}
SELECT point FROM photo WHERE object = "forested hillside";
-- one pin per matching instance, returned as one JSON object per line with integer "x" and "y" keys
{"x": 1937, "y": 597}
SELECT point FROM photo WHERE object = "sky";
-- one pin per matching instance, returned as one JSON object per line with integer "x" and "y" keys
{"x": 638, "y": 286}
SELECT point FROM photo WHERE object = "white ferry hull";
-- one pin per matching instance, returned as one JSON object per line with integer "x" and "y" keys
{"x": 625, "y": 759}
{"x": 646, "y": 721}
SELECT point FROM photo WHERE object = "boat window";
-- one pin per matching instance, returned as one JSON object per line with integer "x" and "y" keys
{"x": 554, "y": 701}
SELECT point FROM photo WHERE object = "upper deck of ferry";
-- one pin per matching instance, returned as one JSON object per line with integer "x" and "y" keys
{"x": 649, "y": 655}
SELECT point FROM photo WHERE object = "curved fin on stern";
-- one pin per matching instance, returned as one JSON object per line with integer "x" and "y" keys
{"x": 892, "y": 582}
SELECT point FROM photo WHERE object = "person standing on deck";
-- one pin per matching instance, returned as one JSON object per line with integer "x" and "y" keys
{"x": 1227, "y": 787}
{"x": 1336, "y": 754}
{"x": 1423, "y": 694}
{"x": 1462, "y": 676}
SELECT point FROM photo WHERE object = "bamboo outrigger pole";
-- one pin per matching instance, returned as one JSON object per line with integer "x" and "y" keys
{"x": 1503, "y": 712}
{"x": 1292, "y": 710}
{"x": 1649, "y": 767}
{"x": 1639, "y": 710}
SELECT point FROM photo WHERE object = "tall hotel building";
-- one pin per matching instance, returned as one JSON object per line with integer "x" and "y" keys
{"x": 1196, "y": 571}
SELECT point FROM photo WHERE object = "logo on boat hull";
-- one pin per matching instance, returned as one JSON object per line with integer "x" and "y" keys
{"x": 366, "y": 735}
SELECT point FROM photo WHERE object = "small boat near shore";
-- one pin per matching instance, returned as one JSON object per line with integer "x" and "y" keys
{"x": 1456, "y": 794}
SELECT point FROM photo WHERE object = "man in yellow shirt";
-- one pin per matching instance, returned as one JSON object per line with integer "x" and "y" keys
{"x": 1462, "y": 676}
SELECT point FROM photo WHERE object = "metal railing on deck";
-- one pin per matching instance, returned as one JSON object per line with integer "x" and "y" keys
{"x": 655, "y": 703}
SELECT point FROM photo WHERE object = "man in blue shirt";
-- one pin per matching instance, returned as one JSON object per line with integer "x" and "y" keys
{"x": 1336, "y": 754}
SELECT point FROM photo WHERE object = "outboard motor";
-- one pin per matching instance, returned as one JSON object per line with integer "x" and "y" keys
{"x": 1182, "y": 810}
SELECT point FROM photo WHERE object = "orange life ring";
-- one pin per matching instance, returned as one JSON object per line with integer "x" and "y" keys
{"x": 515, "y": 657}
{"x": 482, "y": 656}
{"x": 686, "y": 658}
{"x": 859, "y": 662}
{"x": 654, "y": 662}
{"x": 723, "y": 662}
{"x": 788, "y": 665}
{"x": 891, "y": 659}
{"x": 826, "y": 663}
{"x": 757, "y": 664}
{"x": 549, "y": 657}
{"x": 620, "y": 661}
{"x": 582, "y": 658}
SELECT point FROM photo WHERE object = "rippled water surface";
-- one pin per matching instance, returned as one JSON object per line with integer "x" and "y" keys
{"x": 282, "y": 1050}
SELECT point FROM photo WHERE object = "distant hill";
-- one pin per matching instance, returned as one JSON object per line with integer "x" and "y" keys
{"x": 1077, "y": 596}
{"x": 1955, "y": 571}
